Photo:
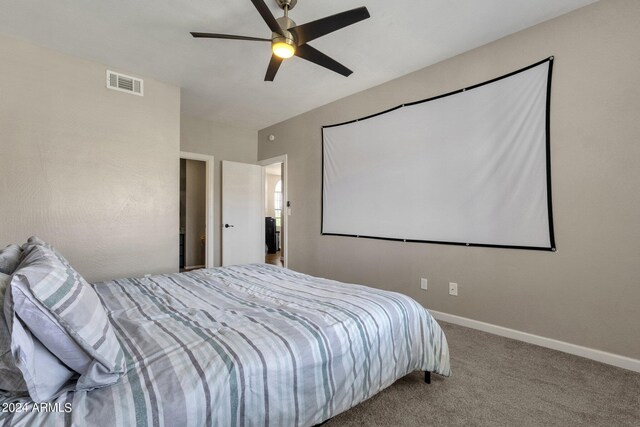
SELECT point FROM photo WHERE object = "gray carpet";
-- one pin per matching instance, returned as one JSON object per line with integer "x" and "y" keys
{"x": 502, "y": 382}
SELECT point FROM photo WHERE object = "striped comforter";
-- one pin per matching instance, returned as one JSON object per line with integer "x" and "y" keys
{"x": 248, "y": 345}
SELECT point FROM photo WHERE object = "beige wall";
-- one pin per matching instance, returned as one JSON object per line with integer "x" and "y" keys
{"x": 91, "y": 170}
{"x": 195, "y": 213}
{"x": 224, "y": 143}
{"x": 588, "y": 293}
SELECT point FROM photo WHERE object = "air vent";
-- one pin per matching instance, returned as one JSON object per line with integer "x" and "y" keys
{"x": 123, "y": 83}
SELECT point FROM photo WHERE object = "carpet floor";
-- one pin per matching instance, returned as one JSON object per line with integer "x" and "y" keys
{"x": 498, "y": 381}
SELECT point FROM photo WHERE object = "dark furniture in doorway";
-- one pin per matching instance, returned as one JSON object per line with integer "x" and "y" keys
{"x": 270, "y": 235}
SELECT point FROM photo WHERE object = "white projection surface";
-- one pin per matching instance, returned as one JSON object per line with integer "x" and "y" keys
{"x": 470, "y": 167}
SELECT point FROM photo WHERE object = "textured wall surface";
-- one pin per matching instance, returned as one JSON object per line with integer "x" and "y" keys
{"x": 588, "y": 292}
{"x": 91, "y": 170}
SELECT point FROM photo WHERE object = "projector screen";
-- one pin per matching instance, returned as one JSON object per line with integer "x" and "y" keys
{"x": 469, "y": 167}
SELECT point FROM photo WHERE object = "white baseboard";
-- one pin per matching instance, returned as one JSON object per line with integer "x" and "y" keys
{"x": 589, "y": 353}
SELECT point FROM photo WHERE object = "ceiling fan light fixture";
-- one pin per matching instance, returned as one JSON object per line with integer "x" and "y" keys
{"x": 283, "y": 48}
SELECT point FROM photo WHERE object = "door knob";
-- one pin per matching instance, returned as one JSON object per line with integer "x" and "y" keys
{"x": 228, "y": 225}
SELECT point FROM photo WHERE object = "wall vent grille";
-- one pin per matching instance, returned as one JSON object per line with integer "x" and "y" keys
{"x": 124, "y": 83}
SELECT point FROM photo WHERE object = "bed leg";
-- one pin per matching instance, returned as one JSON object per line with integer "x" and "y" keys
{"x": 427, "y": 377}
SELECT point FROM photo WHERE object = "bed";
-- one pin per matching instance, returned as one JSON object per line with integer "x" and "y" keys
{"x": 249, "y": 345}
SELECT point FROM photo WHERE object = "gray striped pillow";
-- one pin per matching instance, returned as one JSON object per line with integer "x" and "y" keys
{"x": 9, "y": 258}
{"x": 65, "y": 314}
{"x": 10, "y": 376}
{"x": 26, "y": 366}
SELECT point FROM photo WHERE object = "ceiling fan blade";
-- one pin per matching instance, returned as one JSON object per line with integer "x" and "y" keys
{"x": 274, "y": 64}
{"x": 314, "y": 55}
{"x": 268, "y": 17}
{"x": 314, "y": 29}
{"x": 228, "y": 36}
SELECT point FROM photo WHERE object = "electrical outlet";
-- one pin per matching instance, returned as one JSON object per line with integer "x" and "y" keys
{"x": 453, "y": 289}
{"x": 423, "y": 284}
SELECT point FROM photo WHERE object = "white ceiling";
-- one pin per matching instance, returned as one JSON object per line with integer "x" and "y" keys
{"x": 222, "y": 80}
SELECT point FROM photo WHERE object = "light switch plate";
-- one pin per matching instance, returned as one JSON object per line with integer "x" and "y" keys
{"x": 453, "y": 289}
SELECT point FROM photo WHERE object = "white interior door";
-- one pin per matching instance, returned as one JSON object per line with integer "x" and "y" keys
{"x": 242, "y": 213}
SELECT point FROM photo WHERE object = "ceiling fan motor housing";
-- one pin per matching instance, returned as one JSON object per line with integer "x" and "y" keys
{"x": 285, "y": 23}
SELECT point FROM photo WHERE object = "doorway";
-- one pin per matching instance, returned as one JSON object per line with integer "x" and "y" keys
{"x": 275, "y": 210}
{"x": 196, "y": 211}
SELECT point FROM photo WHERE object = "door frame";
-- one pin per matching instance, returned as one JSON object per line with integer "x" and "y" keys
{"x": 285, "y": 198}
{"x": 209, "y": 191}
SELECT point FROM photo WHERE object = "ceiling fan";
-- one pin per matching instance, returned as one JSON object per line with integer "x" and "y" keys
{"x": 288, "y": 39}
